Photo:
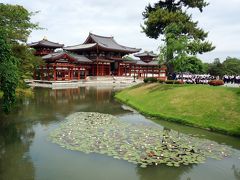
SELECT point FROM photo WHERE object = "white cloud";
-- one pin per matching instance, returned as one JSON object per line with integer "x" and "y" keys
{"x": 69, "y": 22}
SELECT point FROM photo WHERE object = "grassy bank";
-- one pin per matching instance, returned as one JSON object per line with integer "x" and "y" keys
{"x": 214, "y": 108}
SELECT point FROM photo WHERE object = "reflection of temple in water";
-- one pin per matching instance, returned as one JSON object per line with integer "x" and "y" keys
{"x": 65, "y": 101}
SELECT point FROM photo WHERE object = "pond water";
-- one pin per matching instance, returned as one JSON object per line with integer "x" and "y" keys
{"x": 27, "y": 153}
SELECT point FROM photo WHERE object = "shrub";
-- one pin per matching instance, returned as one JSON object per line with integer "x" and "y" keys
{"x": 173, "y": 82}
{"x": 161, "y": 81}
{"x": 216, "y": 83}
{"x": 150, "y": 80}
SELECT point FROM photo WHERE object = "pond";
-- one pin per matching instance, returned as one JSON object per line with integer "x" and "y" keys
{"x": 27, "y": 153}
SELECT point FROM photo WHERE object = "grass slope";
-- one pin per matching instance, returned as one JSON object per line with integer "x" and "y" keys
{"x": 215, "y": 108}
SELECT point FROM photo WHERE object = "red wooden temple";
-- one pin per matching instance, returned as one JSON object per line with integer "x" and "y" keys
{"x": 97, "y": 56}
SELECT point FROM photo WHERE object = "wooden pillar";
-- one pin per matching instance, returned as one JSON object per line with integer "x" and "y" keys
{"x": 119, "y": 68}
{"x": 125, "y": 69}
{"x": 102, "y": 69}
{"x": 130, "y": 70}
{"x": 48, "y": 77}
{"x": 54, "y": 73}
{"x": 134, "y": 71}
{"x": 78, "y": 73}
{"x": 109, "y": 69}
{"x": 152, "y": 72}
{"x": 147, "y": 72}
{"x": 97, "y": 69}
{"x": 69, "y": 73}
{"x": 85, "y": 73}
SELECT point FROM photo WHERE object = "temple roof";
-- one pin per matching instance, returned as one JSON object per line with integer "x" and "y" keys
{"x": 59, "y": 55}
{"x": 151, "y": 63}
{"x": 145, "y": 53}
{"x": 107, "y": 43}
{"x": 80, "y": 46}
{"x": 45, "y": 43}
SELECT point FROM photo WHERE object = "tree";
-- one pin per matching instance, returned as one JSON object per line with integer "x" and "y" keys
{"x": 8, "y": 73}
{"x": 181, "y": 34}
{"x": 216, "y": 68}
{"x": 15, "y": 19}
{"x": 16, "y": 58}
{"x": 231, "y": 66}
{"x": 189, "y": 64}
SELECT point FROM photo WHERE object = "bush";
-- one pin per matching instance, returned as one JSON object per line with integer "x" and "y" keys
{"x": 173, "y": 82}
{"x": 150, "y": 80}
{"x": 161, "y": 81}
{"x": 216, "y": 83}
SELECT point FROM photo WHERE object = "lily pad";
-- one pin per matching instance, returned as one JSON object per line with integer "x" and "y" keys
{"x": 136, "y": 143}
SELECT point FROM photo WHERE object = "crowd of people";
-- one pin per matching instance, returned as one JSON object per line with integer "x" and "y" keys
{"x": 195, "y": 78}
{"x": 231, "y": 79}
{"x": 205, "y": 78}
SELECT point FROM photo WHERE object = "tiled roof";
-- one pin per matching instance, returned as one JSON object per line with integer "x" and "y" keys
{"x": 146, "y": 53}
{"x": 80, "y": 46}
{"x": 110, "y": 43}
{"x": 59, "y": 55}
{"x": 45, "y": 43}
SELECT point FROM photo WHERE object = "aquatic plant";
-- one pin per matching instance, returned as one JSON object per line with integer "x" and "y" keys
{"x": 140, "y": 144}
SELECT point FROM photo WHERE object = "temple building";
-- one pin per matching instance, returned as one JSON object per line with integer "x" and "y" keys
{"x": 44, "y": 47}
{"x": 97, "y": 56}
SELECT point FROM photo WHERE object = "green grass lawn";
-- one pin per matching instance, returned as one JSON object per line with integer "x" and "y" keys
{"x": 215, "y": 108}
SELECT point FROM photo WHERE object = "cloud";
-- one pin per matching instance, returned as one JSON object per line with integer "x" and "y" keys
{"x": 69, "y": 22}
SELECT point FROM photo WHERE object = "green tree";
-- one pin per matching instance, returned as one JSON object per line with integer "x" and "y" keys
{"x": 16, "y": 58}
{"x": 15, "y": 19}
{"x": 216, "y": 68}
{"x": 181, "y": 34}
{"x": 189, "y": 64}
{"x": 231, "y": 66}
{"x": 28, "y": 62}
{"x": 8, "y": 73}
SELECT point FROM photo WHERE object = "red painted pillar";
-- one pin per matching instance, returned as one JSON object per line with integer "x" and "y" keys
{"x": 102, "y": 69}
{"x": 48, "y": 77}
{"x": 54, "y": 73}
{"x": 119, "y": 69}
{"x": 69, "y": 73}
{"x": 109, "y": 69}
{"x": 97, "y": 69}
{"x": 130, "y": 70}
{"x": 147, "y": 72}
{"x": 78, "y": 73}
{"x": 134, "y": 71}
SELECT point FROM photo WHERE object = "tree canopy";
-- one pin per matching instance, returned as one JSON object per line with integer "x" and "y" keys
{"x": 230, "y": 66}
{"x": 8, "y": 73}
{"x": 17, "y": 60}
{"x": 16, "y": 21}
{"x": 181, "y": 35}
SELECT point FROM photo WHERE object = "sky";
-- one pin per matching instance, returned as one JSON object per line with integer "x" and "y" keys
{"x": 69, "y": 22}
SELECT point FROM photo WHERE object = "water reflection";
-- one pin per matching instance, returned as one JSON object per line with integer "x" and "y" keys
{"x": 236, "y": 171}
{"x": 15, "y": 140}
{"x": 163, "y": 172}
